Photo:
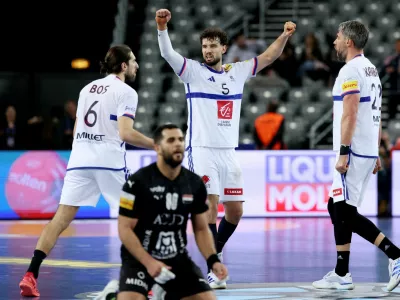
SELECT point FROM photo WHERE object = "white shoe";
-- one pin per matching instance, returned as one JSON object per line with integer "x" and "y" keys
{"x": 394, "y": 274}
{"x": 158, "y": 292}
{"x": 220, "y": 257}
{"x": 214, "y": 281}
{"x": 334, "y": 281}
{"x": 111, "y": 288}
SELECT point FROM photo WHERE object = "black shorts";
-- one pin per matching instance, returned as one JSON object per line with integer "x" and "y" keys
{"x": 188, "y": 281}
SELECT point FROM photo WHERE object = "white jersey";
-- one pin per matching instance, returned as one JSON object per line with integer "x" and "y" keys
{"x": 214, "y": 102}
{"x": 97, "y": 144}
{"x": 359, "y": 76}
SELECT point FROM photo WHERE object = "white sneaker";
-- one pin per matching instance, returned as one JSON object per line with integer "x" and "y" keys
{"x": 334, "y": 281}
{"x": 107, "y": 294}
{"x": 394, "y": 274}
{"x": 158, "y": 292}
{"x": 214, "y": 281}
{"x": 220, "y": 257}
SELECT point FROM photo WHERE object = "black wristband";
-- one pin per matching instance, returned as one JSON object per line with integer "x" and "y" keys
{"x": 344, "y": 150}
{"x": 212, "y": 260}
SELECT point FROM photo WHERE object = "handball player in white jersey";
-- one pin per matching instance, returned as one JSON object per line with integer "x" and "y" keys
{"x": 214, "y": 94}
{"x": 104, "y": 123}
{"x": 357, "y": 99}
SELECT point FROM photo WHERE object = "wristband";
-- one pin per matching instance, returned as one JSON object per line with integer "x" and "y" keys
{"x": 344, "y": 150}
{"x": 211, "y": 260}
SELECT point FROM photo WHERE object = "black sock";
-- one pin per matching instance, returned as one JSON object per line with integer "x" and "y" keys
{"x": 342, "y": 264}
{"x": 36, "y": 261}
{"x": 213, "y": 228}
{"x": 225, "y": 230}
{"x": 389, "y": 249}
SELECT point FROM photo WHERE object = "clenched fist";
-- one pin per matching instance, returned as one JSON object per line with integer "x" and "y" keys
{"x": 289, "y": 28}
{"x": 162, "y": 18}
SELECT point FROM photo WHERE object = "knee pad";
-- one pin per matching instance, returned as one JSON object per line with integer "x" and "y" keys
{"x": 344, "y": 218}
{"x": 344, "y": 213}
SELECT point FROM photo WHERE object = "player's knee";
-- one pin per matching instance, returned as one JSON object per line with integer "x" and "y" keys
{"x": 365, "y": 228}
{"x": 344, "y": 217}
{"x": 233, "y": 211}
{"x": 212, "y": 208}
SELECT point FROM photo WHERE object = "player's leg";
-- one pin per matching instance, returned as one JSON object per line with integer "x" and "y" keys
{"x": 363, "y": 226}
{"x": 202, "y": 162}
{"x": 341, "y": 215}
{"x": 134, "y": 283}
{"x": 189, "y": 282}
{"x": 79, "y": 190}
{"x": 231, "y": 196}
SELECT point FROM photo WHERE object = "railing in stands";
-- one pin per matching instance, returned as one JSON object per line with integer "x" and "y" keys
{"x": 121, "y": 19}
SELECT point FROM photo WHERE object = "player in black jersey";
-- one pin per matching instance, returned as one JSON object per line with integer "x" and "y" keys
{"x": 155, "y": 206}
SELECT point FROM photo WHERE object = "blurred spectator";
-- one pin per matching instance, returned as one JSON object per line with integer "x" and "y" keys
{"x": 10, "y": 132}
{"x": 243, "y": 49}
{"x": 270, "y": 79}
{"x": 286, "y": 65}
{"x": 34, "y": 132}
{"x": 385, "y": 177}
{"x": 68, "y": 124}
{"x": 269, "y": 127}
{"x": 312, "y": 62}
{"x": 392, "y": 69}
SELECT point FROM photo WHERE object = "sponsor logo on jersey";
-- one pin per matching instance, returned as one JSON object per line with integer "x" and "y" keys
{"x": 350, "y": 86}
{"x": 90, "y": 136}
{"x": 225, "y": 109}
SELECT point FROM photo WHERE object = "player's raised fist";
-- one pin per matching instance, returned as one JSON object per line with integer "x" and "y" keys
{"x": 162, "y": 18}
{"x": 289, "y": 28}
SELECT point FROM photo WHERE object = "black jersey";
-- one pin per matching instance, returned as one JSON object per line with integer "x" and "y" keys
{"x": 162, "y": 207}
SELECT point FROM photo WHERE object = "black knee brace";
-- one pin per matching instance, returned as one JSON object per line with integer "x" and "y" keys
{"x": 343, "y": 222}
{"x": 365, "y": 228}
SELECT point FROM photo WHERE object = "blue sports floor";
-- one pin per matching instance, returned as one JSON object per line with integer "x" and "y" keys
{"x": 266, "y": 258}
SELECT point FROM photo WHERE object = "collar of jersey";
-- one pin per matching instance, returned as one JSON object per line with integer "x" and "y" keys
{"x": 212, "y": 70}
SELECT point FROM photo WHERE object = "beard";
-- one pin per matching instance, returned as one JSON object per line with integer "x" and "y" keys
{"x": 169, "y": 160}
{"x": 130, "y": 77}
{"x": 341, "y": 56}
{"x": 213, "y": 62}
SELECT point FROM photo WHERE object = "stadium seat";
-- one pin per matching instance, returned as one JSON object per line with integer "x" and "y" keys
{"x": 147, "y": 95}
{"x": 176, "y": 96}
{"x": 264, "y": 95}
{"x": 394, "y": 128}
{"x": 311, "y": 112}
{"x": 295, "y": 133}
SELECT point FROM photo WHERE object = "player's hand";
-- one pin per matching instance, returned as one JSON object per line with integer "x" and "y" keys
{"x": 378, "y": 166}
{"x": 162, "y": 18}
{"x": 220, "y": 271}
{"x": 289, "y": 28}
{"x": 342, "y": 164}
{"x": 155, "y": 266}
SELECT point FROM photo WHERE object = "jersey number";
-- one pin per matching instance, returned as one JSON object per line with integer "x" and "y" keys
{"x": 380, "y": 95}
{"x": 91, "y": 112}
{"x": 225, "y": 90}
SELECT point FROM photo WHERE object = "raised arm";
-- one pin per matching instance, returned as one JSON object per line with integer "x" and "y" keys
{"x": 275, "y": 49}
{"x": 174, "y": 59}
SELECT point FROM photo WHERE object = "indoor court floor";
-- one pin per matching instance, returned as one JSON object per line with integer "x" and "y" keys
{"x": 267, "y": 258}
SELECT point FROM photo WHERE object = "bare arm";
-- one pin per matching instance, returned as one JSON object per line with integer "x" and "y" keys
{"x": 203, "y": 235}
{"x": 131, "y": 241}
{"x": 132, "y": 136}
{"x": 276, "y": 48}
{"x": 349, "y": 117}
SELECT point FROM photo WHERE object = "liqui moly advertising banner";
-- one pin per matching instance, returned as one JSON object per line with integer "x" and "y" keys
{"x": 276, "y": 183}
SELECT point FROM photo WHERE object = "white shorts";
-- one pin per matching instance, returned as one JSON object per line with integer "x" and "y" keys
{"x": 351, "y": 186}
{"x": 220, "y": 171}
{"x": 83, "y": 187}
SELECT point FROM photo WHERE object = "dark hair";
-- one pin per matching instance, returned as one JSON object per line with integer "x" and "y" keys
{"x": 114, "y": 58}
{"x": 158, "y": 133}
{"x": 213, "y": 33}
